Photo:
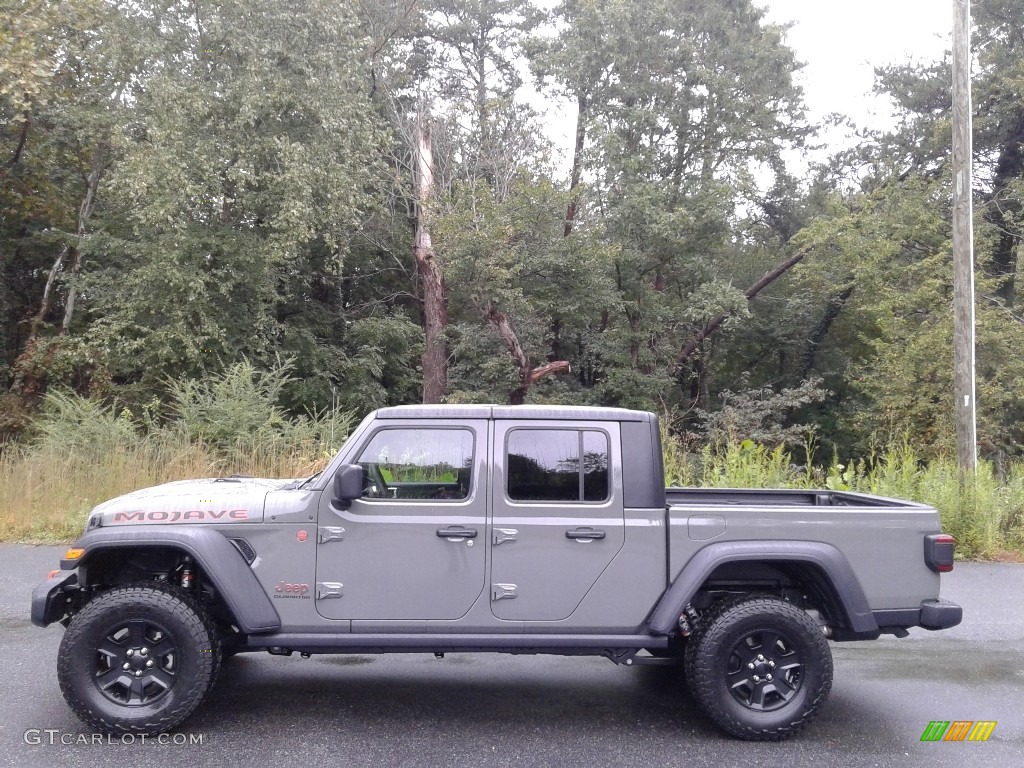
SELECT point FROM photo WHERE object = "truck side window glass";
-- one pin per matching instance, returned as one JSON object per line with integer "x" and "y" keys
{"x": 545, "y": 465}
{"x": 595, "y": 466}
{"x": 433, "y": 464}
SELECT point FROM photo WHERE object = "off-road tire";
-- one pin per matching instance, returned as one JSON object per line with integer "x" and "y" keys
{"x": 161, "y": 633}
{"x": 760, "y": 631}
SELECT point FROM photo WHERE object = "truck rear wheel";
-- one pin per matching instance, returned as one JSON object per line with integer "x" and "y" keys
{"x": 760, "y": 668}
{"x": 138, "y": 659}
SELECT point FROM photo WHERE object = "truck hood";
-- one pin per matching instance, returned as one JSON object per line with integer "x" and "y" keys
{"x": 211, "y": 500}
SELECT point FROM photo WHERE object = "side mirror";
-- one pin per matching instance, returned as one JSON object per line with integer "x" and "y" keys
{"x": 349, "y": 481}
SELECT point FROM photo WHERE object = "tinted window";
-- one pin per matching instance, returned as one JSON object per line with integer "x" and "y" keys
{"x": 595, "y": 466}
{"x": 546, "y": 465}
{"x": 418, "y": 464}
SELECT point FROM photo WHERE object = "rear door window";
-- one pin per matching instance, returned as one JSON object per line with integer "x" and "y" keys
{"x": 562, "y": 465}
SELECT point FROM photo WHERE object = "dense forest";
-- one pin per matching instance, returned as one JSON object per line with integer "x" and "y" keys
{"x": 360, "y": 192}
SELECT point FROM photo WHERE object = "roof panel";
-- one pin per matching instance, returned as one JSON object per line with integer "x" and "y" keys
{"x": 539, "y": 412}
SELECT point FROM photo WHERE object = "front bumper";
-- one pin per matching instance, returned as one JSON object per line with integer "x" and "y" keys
{"x": 49, "y": 598}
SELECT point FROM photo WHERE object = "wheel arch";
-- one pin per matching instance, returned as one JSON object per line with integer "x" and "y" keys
{"x": 220, "y": 561}
{"x": 817, "y": 566}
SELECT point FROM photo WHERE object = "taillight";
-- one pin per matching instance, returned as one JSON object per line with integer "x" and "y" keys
{"x": 938, "y": 552}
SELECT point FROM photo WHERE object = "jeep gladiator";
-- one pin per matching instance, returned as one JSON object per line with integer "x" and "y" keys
{"x": 515, "y": 529}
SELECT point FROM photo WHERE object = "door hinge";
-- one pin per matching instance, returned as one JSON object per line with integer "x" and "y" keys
{"x": 501, "y": 535}
{"x": 331, "y": 533}
{"x": 504, "y": 591}
{"x": 326, "y": 590}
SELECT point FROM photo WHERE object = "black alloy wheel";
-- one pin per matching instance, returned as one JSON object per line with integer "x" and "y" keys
{"x": 764, "y": 671}
{"x": 138, "y": 659}
{"x": 759, "y": 667}
{"x": 136, "y": 663}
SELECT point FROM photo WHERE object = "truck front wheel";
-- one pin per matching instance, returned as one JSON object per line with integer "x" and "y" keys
{"x": 760, "y": 668}
{"x": 138, "y": 659}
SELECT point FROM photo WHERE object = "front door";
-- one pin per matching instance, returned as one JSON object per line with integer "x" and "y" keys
{"x": 558, "y": 516}
{"x": 414, "y": 546}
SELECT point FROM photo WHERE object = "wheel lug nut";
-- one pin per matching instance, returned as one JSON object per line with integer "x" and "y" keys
{"x": 149, "y": 663}
{"x": 768, "y": 678}
{"x": 138, "y": 673}
{"x": 750, "y": 665}
{"x": 771, "y": 664}
{"x": 126, "y": 665}
{"x": 144, "y": 651}
{"x": 760, "y": 657}
{"x": 130, "y": 652}
{"x": 757, "y": 679}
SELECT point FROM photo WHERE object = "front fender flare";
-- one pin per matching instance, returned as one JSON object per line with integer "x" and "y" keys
{"x": 827, "y": 558}
{"x": 221, "y": 563}
{"x": 48, "y": 597}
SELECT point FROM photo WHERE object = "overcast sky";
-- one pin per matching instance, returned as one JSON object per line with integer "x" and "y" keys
{"x": 842, "y": 42}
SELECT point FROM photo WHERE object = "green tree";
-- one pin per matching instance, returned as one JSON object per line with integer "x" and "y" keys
{"x": 515, "y": 270}
{"x": 69, "y": 68}
{"x": 879, "y": 275}
{"x": 680, "y": 105}
{"x": 250, "y": 160}
{"x": 467, "y": 143}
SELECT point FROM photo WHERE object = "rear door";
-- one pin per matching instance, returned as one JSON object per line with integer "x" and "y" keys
{"x": 558, "y": 515}
{"x": 414, "y": 546}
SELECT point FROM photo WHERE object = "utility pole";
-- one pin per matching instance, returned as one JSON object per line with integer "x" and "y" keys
{"x": 963, "y": 243}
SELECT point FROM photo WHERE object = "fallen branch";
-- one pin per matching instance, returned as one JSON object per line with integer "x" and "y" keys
{"x": 713, "y": 324}
{"x": 528, "y": 374}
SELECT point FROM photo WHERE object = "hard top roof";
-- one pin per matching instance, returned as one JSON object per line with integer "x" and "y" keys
{"x": 539, "y": 412}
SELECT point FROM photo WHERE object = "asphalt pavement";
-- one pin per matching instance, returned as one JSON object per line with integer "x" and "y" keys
{"x": 494, "y": 710}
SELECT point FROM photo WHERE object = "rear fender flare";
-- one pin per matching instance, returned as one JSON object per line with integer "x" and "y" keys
{"x": 825, "y": 557}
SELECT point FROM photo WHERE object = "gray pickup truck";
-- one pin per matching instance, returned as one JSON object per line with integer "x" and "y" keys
{"x": 489, "y": 528}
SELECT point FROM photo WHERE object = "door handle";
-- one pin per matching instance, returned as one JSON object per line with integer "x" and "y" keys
{"x": 452, "y": 532}
{"x": 584, "y": 534}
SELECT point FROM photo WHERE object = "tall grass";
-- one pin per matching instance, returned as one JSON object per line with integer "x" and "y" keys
{"x": 985, "y": 512}
{"x": 83, "y": 452}
{"x": 46, "y": 492}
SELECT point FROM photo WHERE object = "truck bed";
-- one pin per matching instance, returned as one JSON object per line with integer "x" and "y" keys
{"x": 868, "y": 530}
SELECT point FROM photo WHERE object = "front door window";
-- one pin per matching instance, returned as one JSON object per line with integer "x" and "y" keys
{"x": 412, "y": 464}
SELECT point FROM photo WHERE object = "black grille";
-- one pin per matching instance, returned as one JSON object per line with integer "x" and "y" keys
{"x": 245, "y": 549}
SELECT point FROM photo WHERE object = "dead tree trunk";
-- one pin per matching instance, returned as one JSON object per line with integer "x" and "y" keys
{"x": 44, "y": 305}
{"x": 70, "y": 252}
{"x": 833, "y": 307}
{"x": 577, "y": 164}
{"x": 92, "y": 184}
{"x": 431, "y": 276}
